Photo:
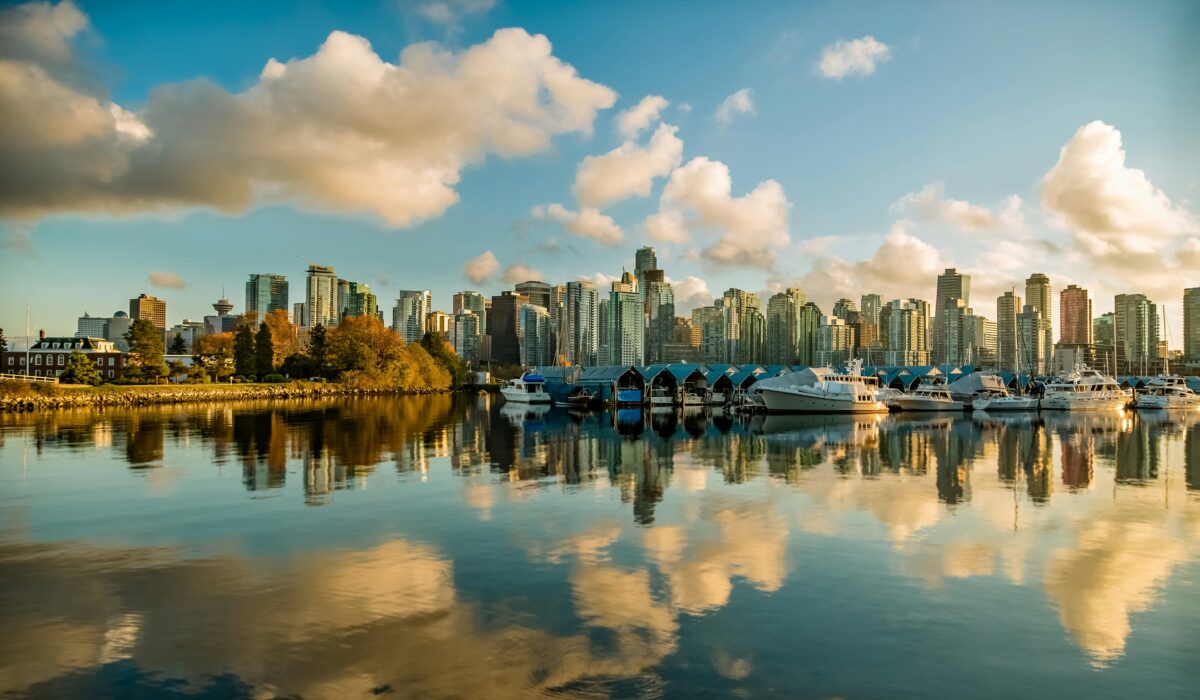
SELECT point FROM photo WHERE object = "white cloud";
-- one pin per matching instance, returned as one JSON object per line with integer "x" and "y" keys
{"x": 690, "y": 292}
{"x": 521, "y": 273}
{"x": 856, "y": 57}
{"x": 449, "y": 12}
{"x": 602, "y": 281}
{"x": 166, "y": 280}
{"x": 740, "y": 102}
{"x": 632, "y": 121}
{"x": 931, "y": 205}
{"x": 585, "y": 223}
{"x": 341, "y": 130}
{"x": 481, "y": 268}
{"x": 752, "y": 227}
{"x": 628, "y": 170}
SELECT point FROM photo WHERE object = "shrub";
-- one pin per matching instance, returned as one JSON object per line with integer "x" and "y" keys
{"x": 274, "y": 379}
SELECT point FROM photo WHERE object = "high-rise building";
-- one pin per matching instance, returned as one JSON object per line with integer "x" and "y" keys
{"x": 1075, "y": 316}
{"x": 1031, "y": 341}
{"x": 298, "y": 313}
{"x": 1104, "y": 337}
{"x": 644, "y": 259}
{"x": 783, "y": 327}
{"x": 626, "y": 325}
{"x": 410, "y": 313}
{"x": 1191, "y": 325}
{"x": 266, "y": 292}
{"x": 150, "y": 308}
{"x": 538, "y": 293}
{"x": 842, "y": 308}
{"x": 355, "y": 299}
{"x": 870, "y": 305}
{"x": 979, "y": 341}
{"x": 464, "y": 335}
{"x": 534, "y": 336}
{"x": 951, "y": 285}
{"x": 580, "y": 323}
{"x": 503, "y": 321}
{"x": 809, "y": 323}
{"x": 474, "y": 302}
{"x": 709, "y": 332}
{"x": 91, "y": 326}
{"x": 952, "y": 321}
{"x": 1135, "y": 334}
{"x": 835, "y": 342}
{"x": 907, "y": 332}
{"x": 743, "y": 327}
{"x": 321, "y": 297}
{"x": 1039, "y": 296}
{"x": 438, "y": 323}
{"x": 602, "y": 352}
{"x": 660, "y": 315}
{"x": 1008, "y": 306}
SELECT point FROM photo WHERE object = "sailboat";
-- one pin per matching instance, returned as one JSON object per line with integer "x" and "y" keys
{"x": 1167, "y": 390}
{"x": 993, "y": 400}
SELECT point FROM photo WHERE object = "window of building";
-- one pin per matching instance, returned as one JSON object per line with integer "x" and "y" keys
{"x": 110, "y": 374}
{"x": 57, "y": 372}
{"x": 37, "y": 359}
{"x": 11, "y": 360}
{"x": 111, "y": 361}
{"x": 37, "y": 372}
{"x": 60, "y": 360}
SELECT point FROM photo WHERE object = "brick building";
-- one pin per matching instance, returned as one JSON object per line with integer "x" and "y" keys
{"x": 48, "y": 357}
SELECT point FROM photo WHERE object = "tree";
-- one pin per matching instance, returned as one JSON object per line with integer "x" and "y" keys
{"x": 366, "y": 353}
{"x": 214, "y": 353}
{"x": 283, "y": 336}
{"x": 244, "y": 360}
{"x": 145, "y": 362}
{"x": 178, "y": 345}
{"x": 3, "y": 341}
{"x": 264, "y": 352}
{"x": 79, "y": 370}
{"x": 318, "y": 350}
{"x": 444, "y": 354}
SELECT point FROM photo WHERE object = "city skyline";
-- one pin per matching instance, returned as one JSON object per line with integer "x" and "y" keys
{"x": 750, "y": 178}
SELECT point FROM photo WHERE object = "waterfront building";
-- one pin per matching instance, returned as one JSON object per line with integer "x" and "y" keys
{"x": 321, "y": 297}
{"x": 979, "y": 341}
{"x": 1135, "y": 334}
{"x": 580, "y": 323}
{"x": 438, "y": 323}
{"x": 474, "y": 302}
{"x": 464, "y": 336}
{"x": 1008, "y": 306}
{"x": 1039, "y": 296}
{"x": 534, "y": 335}
{"x": 835, "y": 342}
{"x": 48, "y": 356}
{"x": 150, "y": 308}
{"x": 907, "y": 332}
{"x": 952, "y": 321}
{"x": 503, "y": 319}
{"x": 660, "y": 315}
{"x": 708, "y": 332}
{"x": 626, "y": 323}
{"x": 410, "y": 313}
{"x": 355, "y": 299}
{"x": 1075, "y": 316}
{"x": 190, "y": 331}
{"x": 1031, "y": 340}
{"x": 1191, "y": 325}
{"x": 808, "y": 325}
{"x": 842, "y": 308}
{"x": 951, "y": 285}
{"x": 742, "y": 327}
{"x": 91, "y": 326}
{"x": 783, "y": 326}
{"x": 266, "y": 292}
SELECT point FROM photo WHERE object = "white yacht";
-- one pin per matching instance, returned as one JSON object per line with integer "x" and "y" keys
{"x": 661, "y": 396}
{"x": 832, "y": 393}
{"x": 691, "y": 398}
{"x": 529, "y": 388}
{"x": 934, "y": 396}
{"x": 1084, "y": 390}
{"x": 1167, "y": 392}
{"x": 1003, "y": 401}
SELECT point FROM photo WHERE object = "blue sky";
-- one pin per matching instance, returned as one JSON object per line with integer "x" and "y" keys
{"x": 969, "y": 106}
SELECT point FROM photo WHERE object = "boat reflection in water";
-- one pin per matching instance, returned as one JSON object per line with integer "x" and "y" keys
{"x": 451, "y": 546}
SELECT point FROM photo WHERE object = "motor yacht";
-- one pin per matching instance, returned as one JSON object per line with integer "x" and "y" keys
{"x": 933, "y": 396}
{"x": 1167, "y": 392}
{"x": 661, "y": 396}
{"x": 528, "y": 388}
{"x": 1003, "y": 401}
{"x": 849, "y": 392}
{"x": 1084, "y": 389}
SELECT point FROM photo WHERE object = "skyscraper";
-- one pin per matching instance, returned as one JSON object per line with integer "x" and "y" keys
{"x": 410, "y": 313}
{"x": 150, "y": 308}
{"x": 626, "y": 326}
{"x": 534, "y": 336}
{"x": 355, "y": 299}
{"x": 1031, "y": 340}
{"x": 807, "y": 332}
{"x": 464, "y": 336}
{"x": 502, "y": 327}
{"x": 835, "y": 342}
{"x": 843, "y": 307}
{"x": 538, "y": 293}
{"x": 1075, "y": 316}
{"x": 266, "y": 292}
{"x": 742, "y": 327}
{"x": 783, "y": 327}
{"x": 1038, "y": 295}
{"x": 581, "y": 323}
{"x": 1191, "y": 325}
{"x": 1135, "y": 334}
{"x": 907, "y": 332}
{"x": 870, "y": 306}
{"x": 660, "y": 314}
{"x": 951, "y": 285}
{"x": 321, "y": 297}
{"x": 644, "y": 259}
{"x": 474, "y": 302}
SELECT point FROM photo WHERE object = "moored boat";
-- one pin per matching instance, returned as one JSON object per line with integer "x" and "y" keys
{"x": 528, "y": 388}
{"x": 1003, "y": 401}
{"x": 1084, "y": 389}
{"x": 933, "y": 396}
{"x": 832, "y": 393}
{"x": 1167, "y": 392}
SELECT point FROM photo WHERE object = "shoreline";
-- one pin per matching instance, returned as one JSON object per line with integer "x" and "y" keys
{"x": 125, "y": 396}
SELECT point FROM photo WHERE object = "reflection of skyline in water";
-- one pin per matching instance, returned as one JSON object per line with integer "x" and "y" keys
{"x": 701, "y": 509}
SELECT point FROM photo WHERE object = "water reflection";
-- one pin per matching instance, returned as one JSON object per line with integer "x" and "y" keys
{"x": 518, "y": 576}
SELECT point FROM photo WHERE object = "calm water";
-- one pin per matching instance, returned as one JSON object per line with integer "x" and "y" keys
{"x": 451, "y": 547}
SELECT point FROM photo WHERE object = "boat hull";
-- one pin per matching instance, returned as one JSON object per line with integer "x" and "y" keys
{"x": 912, "y": 403}
{"x": 778, "y": 401}
{"x": 1012, "y": 403}
{"x": 517, "y": 396}
{"x": 1167, "y": 402}
{"x": 1080, "y": 403}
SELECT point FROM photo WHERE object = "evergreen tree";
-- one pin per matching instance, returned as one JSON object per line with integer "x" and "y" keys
{"x": 79, "y": 370}
{"x": 264, "y": 351}
{"x": 145, "y": 351}
{"x": 178, "y": 346}
{"x": 3, "y": 341}
{"x": 318, "y": 349}
{"x": 244, "y": 360}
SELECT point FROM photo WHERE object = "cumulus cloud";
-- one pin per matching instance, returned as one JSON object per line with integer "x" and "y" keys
{"x": 166, "y": 280}
{"x": 931, "y": 205}
{"x": 903, "y": 266}
{"x": 521, "y": 273}
{"x": 342, "y": 130}
{"x": 601, "y": 280}
{"x": 449, "y": 12}
{"x": 481, "y": 268}
{"x": 632, "y": 121}
{"x": 690, "y": 292}
{"x": 699, "y": 195}
{"x": 585, "y": 223}
{"x": 856, "y": 57}
{"x": 740, "y": 102}
{"x": 628, "y": 170}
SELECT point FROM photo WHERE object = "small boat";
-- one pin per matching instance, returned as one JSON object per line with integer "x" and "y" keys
{"x": 933, "y": 396}
{"x": 528, "y": 388}
{"x": 1084, "y": 390}
{"x": 629, "y": 396}
{"x": 1167, "y": 392}
{"x": 578, "y": 398}
{"x": 1003, "y": 401}
{"x": 848, "y": 392}
{"x": 691, "y": 398}
{"x": 661, "y": 396}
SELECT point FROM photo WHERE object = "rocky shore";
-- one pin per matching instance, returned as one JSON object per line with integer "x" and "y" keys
{"x": 126, "y": 396}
